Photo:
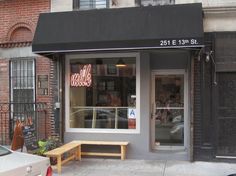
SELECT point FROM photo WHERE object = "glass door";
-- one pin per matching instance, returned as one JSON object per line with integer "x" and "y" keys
{"x": 168, "y": 109}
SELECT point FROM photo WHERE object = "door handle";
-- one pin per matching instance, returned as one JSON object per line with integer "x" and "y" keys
{"x": 153, "y": 111}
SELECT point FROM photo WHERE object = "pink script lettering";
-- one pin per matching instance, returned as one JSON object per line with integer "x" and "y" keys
{"x": 83, "y": 78}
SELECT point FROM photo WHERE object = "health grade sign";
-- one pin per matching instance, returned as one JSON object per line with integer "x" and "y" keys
{"x": 131, "y": 113}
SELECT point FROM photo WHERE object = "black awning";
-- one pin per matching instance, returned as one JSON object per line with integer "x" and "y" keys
{"x": 170, "y": 26}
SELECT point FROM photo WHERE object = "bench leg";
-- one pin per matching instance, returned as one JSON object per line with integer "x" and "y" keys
{"x": 59, "y": 164}
{"x": 123, "y": 152}
{"x": 78, "y": 152}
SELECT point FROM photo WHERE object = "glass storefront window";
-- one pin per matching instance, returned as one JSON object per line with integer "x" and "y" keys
{"x": 103, "y": 94}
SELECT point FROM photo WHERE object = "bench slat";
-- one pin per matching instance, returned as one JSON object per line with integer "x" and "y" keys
{"x": 102, "y": 142}
{"x": 100, "y": 154}
{"x": 63, "y": 149}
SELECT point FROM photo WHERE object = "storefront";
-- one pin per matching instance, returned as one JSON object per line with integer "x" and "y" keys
{"x": 127, "y": 75}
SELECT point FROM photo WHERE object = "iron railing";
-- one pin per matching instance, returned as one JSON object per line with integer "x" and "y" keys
{"x": 10, "y": 113}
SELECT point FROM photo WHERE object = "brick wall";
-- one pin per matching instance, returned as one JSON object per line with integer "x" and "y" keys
{"x": 4, "y": 77}
{"x": 203, "y": 119}
{"x": 18, "y": 19}
{"x": 20, "y": 13}
{"x": 43, "y": 67}
{"x": 197, "y": 110}
{"x": 4, "y": 97}
{"x": 21, "y": 34}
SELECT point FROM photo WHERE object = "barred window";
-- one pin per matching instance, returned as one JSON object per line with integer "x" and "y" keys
{"x": 90, "y": 4}
{"x": 22, "y": 80}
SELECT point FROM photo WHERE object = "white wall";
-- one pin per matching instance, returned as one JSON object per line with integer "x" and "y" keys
{"x": 209, "y": 3}
{"x": 61, "y": 5}
{"x": 219, "y": 20}
{"x": 122, "y": 3}
{"x": 219, "y": 15}
{"x": 17, "y": 52}
{"x": 67, "y": 5}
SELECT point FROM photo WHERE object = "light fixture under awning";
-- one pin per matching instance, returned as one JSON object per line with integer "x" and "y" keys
{"x": 120, "y": 63}
{"x": 169, "y": 26}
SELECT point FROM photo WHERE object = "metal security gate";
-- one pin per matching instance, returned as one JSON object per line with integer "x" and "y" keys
{"x": 225, "y": 111}
{"x": 10, "y": 113}
{"x": 4, "y": 124}
{"x": 226, "y": 116}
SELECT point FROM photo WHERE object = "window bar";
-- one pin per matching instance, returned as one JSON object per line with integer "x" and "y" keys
{"x": 116, "y": 118}
{"x": 107, "y": 3}
{"x": 92, "y": 4}
{"x": 76, "y": 4}
{"x": 94, "y": 118}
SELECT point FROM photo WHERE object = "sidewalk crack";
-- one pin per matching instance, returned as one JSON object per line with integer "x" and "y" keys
{"x": 164, "y": 168}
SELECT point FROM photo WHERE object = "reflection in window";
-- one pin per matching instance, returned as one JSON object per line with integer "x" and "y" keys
{"x": 101, "y": 94}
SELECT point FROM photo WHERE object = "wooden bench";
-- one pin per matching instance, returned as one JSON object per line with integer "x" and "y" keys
{"x": 73, "y": 148}
{"x": 122, "y": 154}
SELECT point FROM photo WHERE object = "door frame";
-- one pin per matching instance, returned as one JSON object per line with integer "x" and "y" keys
{"x": 186, "y": 109}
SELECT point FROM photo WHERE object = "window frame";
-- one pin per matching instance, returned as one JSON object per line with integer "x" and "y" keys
{"x": 67, "y": 93}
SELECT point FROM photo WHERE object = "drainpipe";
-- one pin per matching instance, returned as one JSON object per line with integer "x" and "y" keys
{"x": 191, "y": 147}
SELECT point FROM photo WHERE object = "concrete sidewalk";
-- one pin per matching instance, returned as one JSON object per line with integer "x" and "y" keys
{"x": 115, "y": 167}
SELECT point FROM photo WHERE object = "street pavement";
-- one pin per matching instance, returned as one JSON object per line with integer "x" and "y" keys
{"x": 116, "y": 167}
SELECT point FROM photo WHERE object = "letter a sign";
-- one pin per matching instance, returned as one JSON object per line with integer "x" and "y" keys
{"x": 131, "y": 113}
